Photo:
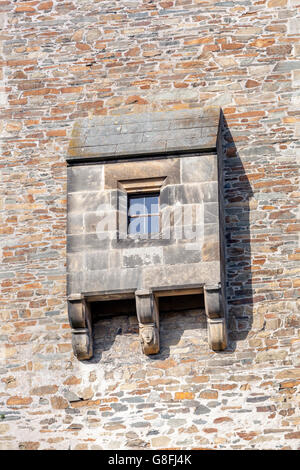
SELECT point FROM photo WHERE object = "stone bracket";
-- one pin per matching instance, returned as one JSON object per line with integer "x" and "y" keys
{"x": 148, "y": 318}
{"x": 216, "y": 322}
{"x": 81, "y": 323}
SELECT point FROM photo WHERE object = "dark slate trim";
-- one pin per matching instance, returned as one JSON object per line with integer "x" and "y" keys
{"x": 108, "y": 158}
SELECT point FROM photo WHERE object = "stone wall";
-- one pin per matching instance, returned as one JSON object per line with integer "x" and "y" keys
{"x": 101, "y": 257}
{"x": 62, "y": 61}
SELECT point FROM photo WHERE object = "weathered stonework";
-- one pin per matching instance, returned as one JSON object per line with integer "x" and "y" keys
{"x": 128, "y": 58}
{"x": 81, "y": 323}
{"x": 148, "y": 317}
{"x": 190, "y": 229}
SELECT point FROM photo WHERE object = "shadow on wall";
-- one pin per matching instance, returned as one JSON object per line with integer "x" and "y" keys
{"x": 183, "y": 331}
{"x": 237, "y": 195}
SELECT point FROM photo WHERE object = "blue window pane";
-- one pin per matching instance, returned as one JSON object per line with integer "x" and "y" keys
{"x": 137, "y": 225}
{"x": 136, "y": 206}
{"x": 140, "y": 220}
{"x": 151, "y": 203}
{"x": 153, "y": 224}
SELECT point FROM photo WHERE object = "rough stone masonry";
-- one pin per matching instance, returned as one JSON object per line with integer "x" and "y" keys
{"x": 62, "y": 61}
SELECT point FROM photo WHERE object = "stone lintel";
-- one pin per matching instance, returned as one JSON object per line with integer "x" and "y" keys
{"x": 114, "y": 137}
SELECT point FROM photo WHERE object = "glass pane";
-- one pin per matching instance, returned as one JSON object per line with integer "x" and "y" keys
{"x": 153, "y": 224}
{"x": 151, "y": 204}
{"x": 136, "y": 206}
{"x": 137, "y": 225}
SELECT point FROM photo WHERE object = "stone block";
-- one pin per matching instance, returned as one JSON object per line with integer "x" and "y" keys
{"x": 95, "y": 222}
{"x": 211, "y": 230}
{"x": 287, "y": 66}
{"x": 74, "y": 262}
{"x": 199, "y": 169}
{"x": 75, "y": 223}
{"x": 89, "y": 201}
{"x": 95, "y": 260}
{"x": 112, "y": 280}
{"x": 118, "y": 200}
{"x": 126, "y": 242}
{"x": 211, "y": 249}
{"x": 140, "y": 170}
{"x": 181, "y": 254}
{"x": 115, "y": 258}
{"x": 95, "y": 139}
{"x": 193, "y": 143}
{"x": 142, "y": 257}
{"x": 145, "y": 126}
{"x": 81, "y": 152}
{"x": 167, "y": 196}
{"x": 179, "y": 275}
{"x": 294, "y": 26}
{"x": 85, "y": 178}
{"x": 140, "y": 148}
{"x": 86, "y": 242}
{"x": 196, "y": 192}
{"x": 211, "y": 213}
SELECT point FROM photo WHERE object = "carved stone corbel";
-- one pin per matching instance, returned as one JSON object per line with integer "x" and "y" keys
{"x": 216, "y": 322}
{"x": 81, "y": 324}
{"x": 148, "y": 318}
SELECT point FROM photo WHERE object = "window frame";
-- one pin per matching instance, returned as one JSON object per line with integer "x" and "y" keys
{"x": 139, "y": 186}
{"x": 142, "y": 194}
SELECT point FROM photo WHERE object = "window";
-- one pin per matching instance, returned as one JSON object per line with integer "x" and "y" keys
{"x": 143, "y": 213}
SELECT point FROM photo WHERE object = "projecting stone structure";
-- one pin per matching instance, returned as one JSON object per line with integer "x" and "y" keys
{"x": 152, "y": 373}
{"x": 172, "y": 154}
